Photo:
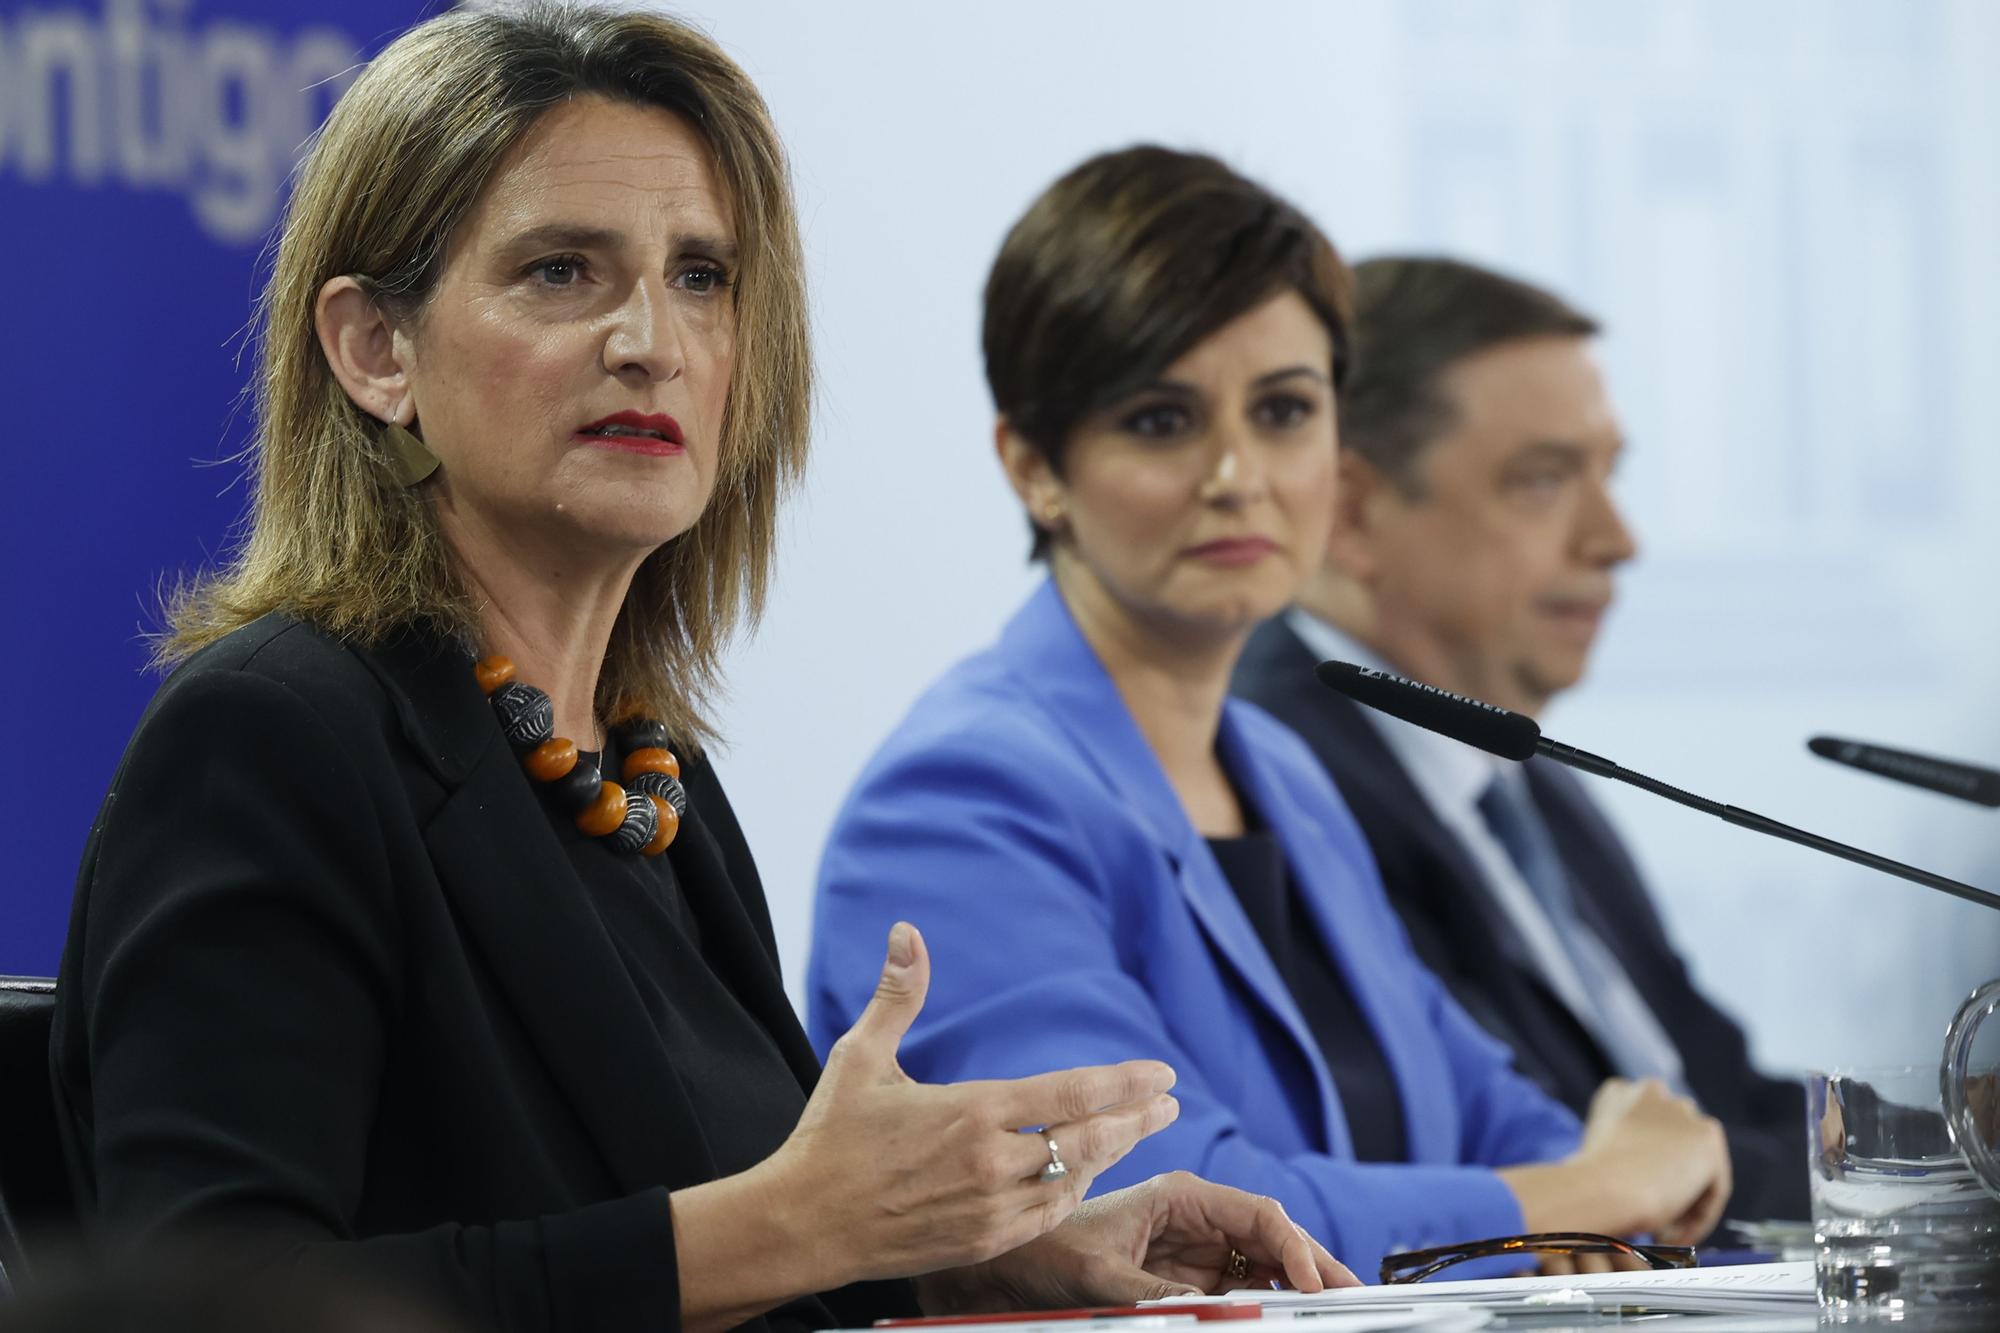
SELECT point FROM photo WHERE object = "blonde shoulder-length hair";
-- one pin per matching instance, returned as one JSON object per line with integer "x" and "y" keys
{"x": 332, "y": 537}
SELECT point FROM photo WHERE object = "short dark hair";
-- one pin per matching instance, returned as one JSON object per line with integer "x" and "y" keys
{"x": 1125, "y": 264}
{"x": 1414, "y": 317}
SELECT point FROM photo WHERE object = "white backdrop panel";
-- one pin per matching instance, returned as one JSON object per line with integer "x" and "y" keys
{"x": 1780, "y": 208}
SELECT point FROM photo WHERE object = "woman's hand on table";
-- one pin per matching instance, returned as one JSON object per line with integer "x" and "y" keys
{"x": 1175, "y": 1235}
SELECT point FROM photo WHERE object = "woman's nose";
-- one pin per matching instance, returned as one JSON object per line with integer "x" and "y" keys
{"x": 644, "y": 339}
{"x": 1236, "y": 473}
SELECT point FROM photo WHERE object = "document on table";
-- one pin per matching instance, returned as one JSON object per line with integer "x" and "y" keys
{"x": 1402, "y": 1318}
{"x": 1741, "y": 1289}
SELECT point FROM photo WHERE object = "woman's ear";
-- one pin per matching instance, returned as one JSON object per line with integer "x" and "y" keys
{"x": 366, "y": 353}
{"x": 1029, "y": 473}
{"x": 1350, "y": 544}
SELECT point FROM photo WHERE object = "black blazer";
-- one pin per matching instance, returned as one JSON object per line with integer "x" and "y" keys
{"x": 332, "y": 985}
{"x": 1468, "y": 940}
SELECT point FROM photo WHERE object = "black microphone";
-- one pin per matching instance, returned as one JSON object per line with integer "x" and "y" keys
{"x": 1516, "y": 736}
{"x": 1948, "y": 777}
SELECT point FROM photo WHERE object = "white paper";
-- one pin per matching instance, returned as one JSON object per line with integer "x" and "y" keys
{"x": 1403, "y": 1318}
{"x": 1737, "y": 1289}
{"x": 1400, "y": 1318}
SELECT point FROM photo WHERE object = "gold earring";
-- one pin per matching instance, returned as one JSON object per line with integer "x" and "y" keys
{"x": 409, "y": 458}
{"x": 1052, "y": 512}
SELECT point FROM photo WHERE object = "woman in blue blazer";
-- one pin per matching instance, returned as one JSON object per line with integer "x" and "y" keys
{"x": 1109, "y": 856}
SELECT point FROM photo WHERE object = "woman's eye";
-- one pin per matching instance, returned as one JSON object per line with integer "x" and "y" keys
{"x": 1157, "y": 421}
{"x": 1285, "y": 410}
{"x": 562, "y": 271}
{"x": 703, "y": 279}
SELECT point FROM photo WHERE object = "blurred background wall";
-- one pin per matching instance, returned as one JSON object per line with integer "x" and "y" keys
{"x": 1780, "y": 208}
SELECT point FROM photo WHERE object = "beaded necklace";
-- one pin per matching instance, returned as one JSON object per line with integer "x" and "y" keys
{"x": 642, "y": 816}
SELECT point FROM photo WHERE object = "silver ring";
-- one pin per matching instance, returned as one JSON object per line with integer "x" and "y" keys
{"x": 1055, "y": 1170}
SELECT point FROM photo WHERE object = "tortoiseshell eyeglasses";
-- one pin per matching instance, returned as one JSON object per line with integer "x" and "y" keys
{"x": 1416, "y": 1265}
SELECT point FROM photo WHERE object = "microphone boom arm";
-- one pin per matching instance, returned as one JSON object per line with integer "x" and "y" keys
{"x": 1598, "y": 765}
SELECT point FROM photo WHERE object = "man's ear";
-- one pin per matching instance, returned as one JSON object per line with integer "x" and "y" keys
{"x": 1357, "y": 506}
{"x": 368, "y": 356}
{"x": 1029, "y": 473}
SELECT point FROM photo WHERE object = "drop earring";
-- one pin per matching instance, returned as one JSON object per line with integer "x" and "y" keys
{"x": 409, "y": 458}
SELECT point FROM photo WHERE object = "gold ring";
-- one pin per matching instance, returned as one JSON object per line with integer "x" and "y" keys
{"x": 1239, "y": 1266}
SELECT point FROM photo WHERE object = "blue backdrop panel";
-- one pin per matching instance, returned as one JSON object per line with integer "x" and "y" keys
{"x": 144, "y": 151}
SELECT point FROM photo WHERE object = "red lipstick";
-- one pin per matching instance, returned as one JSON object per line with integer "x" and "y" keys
{"x": 653, "y": 433}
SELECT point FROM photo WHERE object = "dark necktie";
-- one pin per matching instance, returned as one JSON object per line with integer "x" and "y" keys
{"x": 1622, "y": 1023}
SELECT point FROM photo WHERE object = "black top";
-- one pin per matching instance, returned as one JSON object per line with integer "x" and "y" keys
{"x": 338, "y": 982}
{"x": 732, "y": 1069}
{"x": 1255, "y": 867}
{"x": 1464, "y": 936}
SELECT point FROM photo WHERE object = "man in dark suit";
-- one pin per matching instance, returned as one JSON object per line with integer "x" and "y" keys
{"x": 1474, "y": 549}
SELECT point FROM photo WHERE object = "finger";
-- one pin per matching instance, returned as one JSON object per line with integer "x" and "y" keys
{"x": 1308, "y": 1267}
{"x": 898, "y": 999}
{"x": 1029, "y": 1154}
{"x": 1612, "y": 1092}
{"x": 1593, "y": 1263}
{"x": 1122, "y": 1282}
{"x": 1094, "y": 1144}
{"x": 1331, "y": 1272}
{"x": 1040, "y": 1205}
{"x": 1680, "y": 1231}
{"x": 1072, "y": 1094}
{"x": 1261, "y": 1277}
{"x": 1558, "y": 1265}
{"x": 1033, "y": 1153}
{"x": 1703, "y": 1218}
{"x": 1608, "y": 1106}
{"x": 1725, "y": 1182}
{"x": 1628, "y": 1263}
{"x": 1706, "y": 1212}
{"x": 1260, "y": 1228}
{"x": 1296, "y": 1266}
{"x": 1694, "y": 1225}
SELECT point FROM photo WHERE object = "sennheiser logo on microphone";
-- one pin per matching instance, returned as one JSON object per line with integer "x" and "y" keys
{"x": 1432, "y": 689}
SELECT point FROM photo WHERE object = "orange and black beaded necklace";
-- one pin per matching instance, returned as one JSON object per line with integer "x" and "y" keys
{"x": 641, "y": 816}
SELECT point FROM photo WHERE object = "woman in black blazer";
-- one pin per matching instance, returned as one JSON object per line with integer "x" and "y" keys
{"x": 404, "y": 940}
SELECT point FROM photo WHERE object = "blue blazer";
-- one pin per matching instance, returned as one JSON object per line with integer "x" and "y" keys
{"x": 1076, "y": 917}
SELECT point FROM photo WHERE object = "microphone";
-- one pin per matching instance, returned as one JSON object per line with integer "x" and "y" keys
{"x": 1516, "y": 736}
{"x": 1968, "y": 782}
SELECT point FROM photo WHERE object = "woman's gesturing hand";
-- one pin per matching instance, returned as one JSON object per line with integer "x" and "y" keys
{"x": 1175, "y": 1235}
{"x": 886, "y": 1176}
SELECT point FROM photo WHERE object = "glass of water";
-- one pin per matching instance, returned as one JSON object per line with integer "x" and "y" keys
{"x": 1904, "y": 1229}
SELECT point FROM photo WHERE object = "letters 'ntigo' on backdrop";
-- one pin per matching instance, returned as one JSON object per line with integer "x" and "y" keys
{"x": 145, "y": 147}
